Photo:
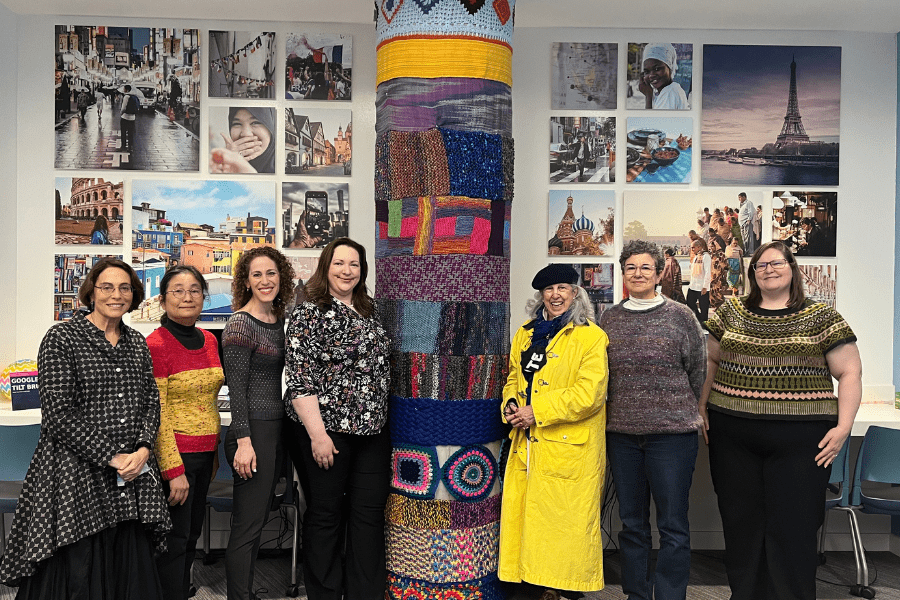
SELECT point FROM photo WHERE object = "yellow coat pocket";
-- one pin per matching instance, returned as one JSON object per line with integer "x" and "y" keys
{"x": 561, "y": 453}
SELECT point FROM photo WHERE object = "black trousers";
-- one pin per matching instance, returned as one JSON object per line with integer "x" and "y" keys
{"x": 127, "y": 126}
{"x": 693, "y": 299}
{"x": 252, "y": 498}
{"x": 345, "y": 511}
{"x": 771, "y": 496}
{"x": 187, "y": 523}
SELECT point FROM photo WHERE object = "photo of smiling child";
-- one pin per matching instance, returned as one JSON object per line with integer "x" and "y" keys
{"x": 659, "y": 76}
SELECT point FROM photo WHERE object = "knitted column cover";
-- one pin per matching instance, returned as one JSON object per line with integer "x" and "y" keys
{"x": 443, "y": 191}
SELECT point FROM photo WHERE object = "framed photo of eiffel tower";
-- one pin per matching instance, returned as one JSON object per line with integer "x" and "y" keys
{"x": 771, "y": 115}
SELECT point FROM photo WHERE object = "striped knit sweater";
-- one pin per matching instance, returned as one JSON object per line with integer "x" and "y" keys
{"x": 772, "y": 362}
{"x": 188, "y": 381}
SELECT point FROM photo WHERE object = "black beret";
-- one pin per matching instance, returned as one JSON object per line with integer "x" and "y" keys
{"x": 553, "y": 274}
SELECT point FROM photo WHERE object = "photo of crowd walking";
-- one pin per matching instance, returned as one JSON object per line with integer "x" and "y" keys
{"x": 705, "y": 249}
{"x": 582, "y": 149}
{"x": 318, "y": 66}
{"x": 127, "y": 98}
{"x": 806, "y": 222}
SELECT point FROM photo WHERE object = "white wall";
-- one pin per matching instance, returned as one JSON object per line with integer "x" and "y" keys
{"x": 866, "y": 193}
{"x": 9, "y": 75}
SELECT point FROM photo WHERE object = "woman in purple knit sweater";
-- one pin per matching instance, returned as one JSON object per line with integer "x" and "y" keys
{"x": 657, "y": 365}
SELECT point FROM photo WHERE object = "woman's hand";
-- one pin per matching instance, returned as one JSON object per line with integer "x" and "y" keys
{"x": 323, "y": 451}
{"x": 178, "y": 490}
{"x": 831, "y": 445}
{"x": 647, "y": 90}
{"x": 523, "y": 417}
{"x": 130, "y": 465}
{"x": 245, "y": 459}
{"x": 223, "y": 160}
{"x": 248, "y": 146}
{"x": 705, "y": 427}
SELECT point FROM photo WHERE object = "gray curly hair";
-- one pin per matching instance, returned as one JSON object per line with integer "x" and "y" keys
{"x": 580, "y": 312}
{"x": 635, "y": 247}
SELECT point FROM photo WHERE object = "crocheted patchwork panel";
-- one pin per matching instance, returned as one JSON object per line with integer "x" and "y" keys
{"x": 442, "y": 225}
{"x": 415, "y": 375}
{"x": 447, "y": 328}
{"x": 414, "y": 470}
{"x": 443, "y": 162}
{"x": 443, "y": 278}
{"x": 443, "y": 555}
{"x": 466, "y": 104}
{"x": 442, "y": 514}
{"x": 405, "y": 588}
{"x": 489, "y": 19}
{"x": 470, "y": 473}
{"x": 443, "y": 423}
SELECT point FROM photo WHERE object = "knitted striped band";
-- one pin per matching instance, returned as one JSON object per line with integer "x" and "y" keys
{"x": 415, "y": 375}
{"x": 465, "y": 104}
{"x": 447, "y": 328}
{"x": 404, "y": 588}
{"x": 443, "y": 555}
{"x": 442, "y": 514}
{"x": 490, "y": 20}
{"x": 428, "y": 421}
{"x": 453, "y": 277}
{"x": 456, "y": 56}
{"x": 442, "y": 225}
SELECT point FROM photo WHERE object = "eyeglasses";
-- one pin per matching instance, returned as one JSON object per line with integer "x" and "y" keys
{"x": 775, "y": 264}
{"x": 107, "y": 289}
{"x": 646, "y": 270}
{"x": 179, "y": 294}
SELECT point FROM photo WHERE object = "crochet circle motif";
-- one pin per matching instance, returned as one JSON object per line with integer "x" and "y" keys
{"x": 469, "y": 473}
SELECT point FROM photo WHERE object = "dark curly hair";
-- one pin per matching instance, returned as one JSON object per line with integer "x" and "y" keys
{"x": 240, "y": 291}
{"x": 317, "y": 290}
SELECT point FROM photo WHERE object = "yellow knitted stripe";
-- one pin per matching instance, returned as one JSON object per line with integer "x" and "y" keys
{"x": 432, "y": 58}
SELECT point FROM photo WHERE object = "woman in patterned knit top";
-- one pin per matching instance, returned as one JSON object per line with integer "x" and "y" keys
{"x": 253, "y": 349}
{"x": 188, "y": 373}
{"x": 337, "y": 398}
{"x": 92, "y": 497}
{"x": 657, "y": 366}
{"x": 774, "y": 424}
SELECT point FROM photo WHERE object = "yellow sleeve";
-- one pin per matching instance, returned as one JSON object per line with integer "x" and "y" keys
{"x": 578, "y": 389}
{"x": 511, "y": 389}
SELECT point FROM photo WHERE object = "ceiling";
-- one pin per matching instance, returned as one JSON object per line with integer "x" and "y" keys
{"x": 814, "y": 15}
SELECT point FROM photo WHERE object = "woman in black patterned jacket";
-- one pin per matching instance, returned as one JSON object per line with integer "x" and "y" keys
{"x": 92, "y": 504}
{"x": 337, "y": 378}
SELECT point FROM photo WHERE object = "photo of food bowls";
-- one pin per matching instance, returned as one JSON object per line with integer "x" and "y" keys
{"x": 659, "y": 150}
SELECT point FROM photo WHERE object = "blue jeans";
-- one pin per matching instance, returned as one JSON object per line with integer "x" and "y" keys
{"x": 660, "y": 466}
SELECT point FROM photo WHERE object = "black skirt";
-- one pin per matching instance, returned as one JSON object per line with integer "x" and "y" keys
{"x": 114, "y": 564}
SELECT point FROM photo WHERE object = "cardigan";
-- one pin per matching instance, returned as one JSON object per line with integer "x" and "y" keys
{"x": 773, "y": 361}
{"x": 97, "y": 400}
{"x": 657, "y": 366}
{"x": 189, "y": 382}
{"x": 342, "y": 358}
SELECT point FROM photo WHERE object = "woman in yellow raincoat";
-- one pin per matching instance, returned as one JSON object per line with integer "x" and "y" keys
{"x": 555, "y": 400}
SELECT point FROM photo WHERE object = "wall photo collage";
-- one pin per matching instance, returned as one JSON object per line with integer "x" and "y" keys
{"x": 131, "y": 99}
{"x": 767, "y": 124}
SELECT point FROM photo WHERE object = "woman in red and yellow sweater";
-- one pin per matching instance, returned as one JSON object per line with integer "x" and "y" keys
{"x": 189, "y": 374}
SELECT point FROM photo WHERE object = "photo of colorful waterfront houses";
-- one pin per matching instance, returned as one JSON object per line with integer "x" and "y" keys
{"x": 68, "y": 275}
{"x": 88, "y": 211}
{"x": 197, "y": 223}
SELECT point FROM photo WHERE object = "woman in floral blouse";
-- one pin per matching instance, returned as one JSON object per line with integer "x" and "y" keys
{"x": 337, "y": 379}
